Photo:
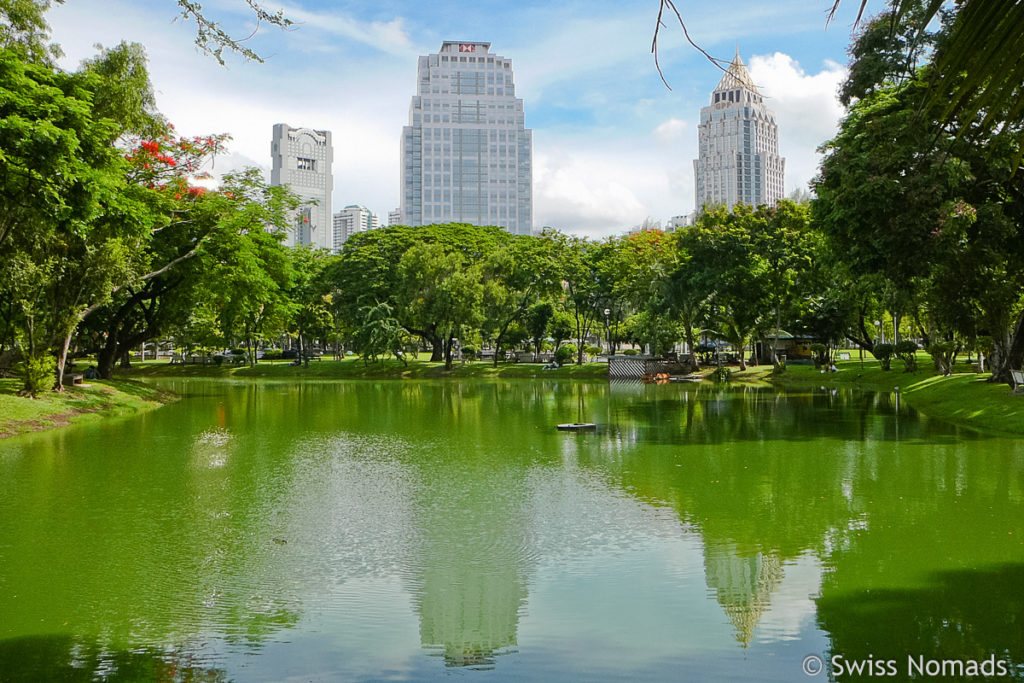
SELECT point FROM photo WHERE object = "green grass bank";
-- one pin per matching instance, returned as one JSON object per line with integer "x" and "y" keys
{"x": 82, "y": 403}
{"x": 965, "y": 397}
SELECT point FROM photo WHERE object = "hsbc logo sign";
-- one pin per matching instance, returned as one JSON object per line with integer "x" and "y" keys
{"x": 467, "y": 47}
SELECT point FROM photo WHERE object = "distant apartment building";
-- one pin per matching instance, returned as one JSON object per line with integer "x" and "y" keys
{"x": 350, "y": 220}
{"x": 395, "y": 217}
{"x": 467, "y": 155}
{"x": 738, "y": 143}
{"x": 301, "y": 158}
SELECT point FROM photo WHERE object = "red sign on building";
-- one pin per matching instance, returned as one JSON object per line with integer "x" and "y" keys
{"x": 464, "y": 47}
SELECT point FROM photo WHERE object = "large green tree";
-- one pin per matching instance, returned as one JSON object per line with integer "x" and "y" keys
{"x": 439, "y": 289}
{"x": 367, "y": 273}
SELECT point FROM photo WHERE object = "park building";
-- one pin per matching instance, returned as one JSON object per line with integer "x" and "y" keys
{"x": 350, "y": 220}
{"x": 738, "y": 142}
{"x": 467, "y": 155}
{"x": 301, "y": 158}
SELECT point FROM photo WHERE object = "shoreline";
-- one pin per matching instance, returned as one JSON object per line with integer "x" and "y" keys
{"x": 963, "y": 398}
{"x": 99, "y": 399}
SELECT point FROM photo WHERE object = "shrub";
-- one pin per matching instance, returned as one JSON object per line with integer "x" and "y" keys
{"x": 468, "y": 352}
{"x": 593, "y": 350}
{"x": 565, "y": 353}
{"x": 883, "y": 352}
{"x": 721, "y": 374}
{"x": 218, "y": 359}
{"x": 906, "y": 350}
{"x": 630, "y": 352}
{"x": 272, "y": 354}
{"x": 237, "y": 352}
{"x": 37, "y": 374}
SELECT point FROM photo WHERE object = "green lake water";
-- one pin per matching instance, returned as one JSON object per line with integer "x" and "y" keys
{"x": 406, "y": 530}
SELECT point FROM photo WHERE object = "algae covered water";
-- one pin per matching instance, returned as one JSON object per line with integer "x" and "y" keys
{"x": 265, "y": 531}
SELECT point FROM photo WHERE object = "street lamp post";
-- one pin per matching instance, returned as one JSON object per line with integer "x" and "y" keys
{"x": 881, "y": 332}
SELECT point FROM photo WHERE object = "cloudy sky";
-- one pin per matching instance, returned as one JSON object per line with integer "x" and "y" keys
{"x": 612, "y": 144}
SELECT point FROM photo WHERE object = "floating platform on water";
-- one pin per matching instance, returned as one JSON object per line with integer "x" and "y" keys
{"x": 686, "y": 378}
{"x": 576, "y": 426}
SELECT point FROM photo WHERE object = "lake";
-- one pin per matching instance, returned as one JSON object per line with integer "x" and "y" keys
{"x": 417, "y": 530}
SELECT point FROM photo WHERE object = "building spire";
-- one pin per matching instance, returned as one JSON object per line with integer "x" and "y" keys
{"x": 737, "y": 76}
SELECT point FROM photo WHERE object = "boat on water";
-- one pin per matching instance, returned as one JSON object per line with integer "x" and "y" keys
{"x": 576, "y": 426}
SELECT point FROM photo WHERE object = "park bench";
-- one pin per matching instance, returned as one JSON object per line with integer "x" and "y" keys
{"x": 73, "y": 378}
{"x": 1018, "y": 381}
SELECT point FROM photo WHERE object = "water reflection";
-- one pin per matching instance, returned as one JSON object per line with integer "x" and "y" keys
{"x": 395, "y": 527}
{"x": 63, "y": 658}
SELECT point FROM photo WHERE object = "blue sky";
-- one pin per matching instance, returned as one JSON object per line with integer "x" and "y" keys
{"x": 612, "y": 145}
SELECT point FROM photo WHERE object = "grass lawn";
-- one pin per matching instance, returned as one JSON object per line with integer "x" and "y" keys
{"x": 97, "y": 400}
{"x": 965, "y": 397}
{"x": 353, "y": 368}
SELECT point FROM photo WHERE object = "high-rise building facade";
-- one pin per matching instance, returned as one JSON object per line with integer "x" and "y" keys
{"x": 395, "y": 217}
{"x": 738, "y": 142}
{"x": 302, "y": 158}
{"x": 467, "y": 155}
{"x": 350, "y": 220}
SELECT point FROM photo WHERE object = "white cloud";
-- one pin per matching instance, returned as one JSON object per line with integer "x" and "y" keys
{"x": 670, "y": 131}
{"x": 386, "y": 36}
{"x": 583, "y": 193}
{"x": 806, "y": 108}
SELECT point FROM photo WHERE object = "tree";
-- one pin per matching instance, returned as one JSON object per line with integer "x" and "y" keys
{"x": 537, "y": 318}
{"x": 367, "y": 270}
{"x": 937, "y": 219}
{"x": 252, "y": 269}
{"x": 66, "y": 210}
{"x": 515, "y": 276}
{"x": 577, "y": 263}
{"x": 440, "y": 290}
{"x": 164, "y": 269}
{"x": 379, "y": 334}
{"x": 311, "y": 317}
{"x": 725, "y": 268}
{"x": 783, "y": 240}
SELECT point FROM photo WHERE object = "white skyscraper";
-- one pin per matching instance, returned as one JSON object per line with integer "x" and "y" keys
{"x": 467, "y": 156}
{"x": 350, "y": 220}
{"x": 302, "y": 158}
{"x": 738, "y": 145}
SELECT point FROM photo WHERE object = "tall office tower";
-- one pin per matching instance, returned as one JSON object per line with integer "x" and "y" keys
{"x": 466, "y": 154}
{"x": 739, "y": 145}
{"x": 350, "y": 220}
{"x": 302, "y": 158}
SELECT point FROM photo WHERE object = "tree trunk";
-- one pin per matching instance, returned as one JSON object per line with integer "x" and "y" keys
{"x": 62, "y": 359}
{"x": 1008, "y": 353}
{"x": 691, "y": 343}
{"x": 106, "y": 357}
{"x": 775, "y": 341}
{"x": 448, "y": 353}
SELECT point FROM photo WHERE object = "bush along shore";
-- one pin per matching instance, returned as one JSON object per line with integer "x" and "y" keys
{"x": 77, "y": 404}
